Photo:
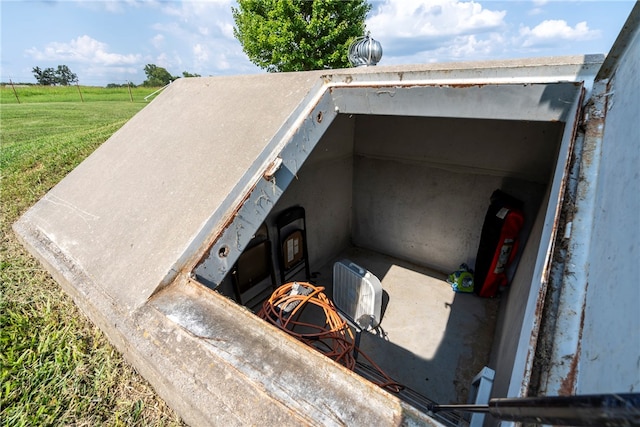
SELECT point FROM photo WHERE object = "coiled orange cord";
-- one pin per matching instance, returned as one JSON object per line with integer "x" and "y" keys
{"x": 334, "y": 339}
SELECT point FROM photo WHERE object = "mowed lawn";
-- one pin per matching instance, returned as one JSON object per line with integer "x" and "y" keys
{"x": 57, "y": 367}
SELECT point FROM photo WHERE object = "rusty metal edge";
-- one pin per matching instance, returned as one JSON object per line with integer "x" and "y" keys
{"x": 560, "y": 374}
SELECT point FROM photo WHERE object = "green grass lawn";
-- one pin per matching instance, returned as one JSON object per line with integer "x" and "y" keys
{"x": 27, "y": 94}
{"x": 57, "y": 367}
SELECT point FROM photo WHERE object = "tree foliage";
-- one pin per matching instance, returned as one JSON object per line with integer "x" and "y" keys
{"x": 117, "y": 85}
{"x": 157, "y": 76}
{"x": 64, "y": 76}
{"x": 299, "y": 35}
{"x": 44, "y": 77}
{"x": 50, "y": 77}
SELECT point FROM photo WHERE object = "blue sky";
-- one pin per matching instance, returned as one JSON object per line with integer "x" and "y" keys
{"x": 111, "y": 41}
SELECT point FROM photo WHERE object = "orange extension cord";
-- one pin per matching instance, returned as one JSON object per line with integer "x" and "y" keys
{"x": 334, "y": 339}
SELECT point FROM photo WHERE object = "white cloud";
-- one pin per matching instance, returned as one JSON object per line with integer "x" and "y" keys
{"x": 208, "y": 17}
{"x": 223, "y": 63}
{"x": 404, "y": 26}
{"x": 226, "y": 29}
{"x": 162, "y": 60}
{"x": 419, "y": 18}
{"x": 172, "y": 29}
{"x": 460, "y": 48}
{"x": 207, "y": 28}
{"x": 200, "y": 53}
{"x": 83, "y": 49}
{"x": 535, "y": 11}
{"x": 472, "y": 47}
{"x": 553, "y": 31}
{"x": 157, "y": 41}
{"x": 91, "y": 60}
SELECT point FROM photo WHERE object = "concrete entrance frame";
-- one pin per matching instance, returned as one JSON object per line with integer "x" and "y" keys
{"x": 170, "y": 200}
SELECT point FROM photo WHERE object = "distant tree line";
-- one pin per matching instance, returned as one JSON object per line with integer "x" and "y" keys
{"x": 63, "y": 76}
{"x": 49, "y": 77}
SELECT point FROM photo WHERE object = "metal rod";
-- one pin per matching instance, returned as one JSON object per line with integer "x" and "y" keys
{"x": 464, "y": 408}
{"x": 621, "y": 409}
{"x": 79, "y": 91}
{"x": 14, "y": 90}
{"x": 151, "y": 94}
{"x": 129, "y": 87}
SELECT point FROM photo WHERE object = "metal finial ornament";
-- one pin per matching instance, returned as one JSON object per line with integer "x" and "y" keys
{"x": 365, "y": 51}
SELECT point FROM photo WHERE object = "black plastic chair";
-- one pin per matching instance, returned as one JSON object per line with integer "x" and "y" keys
{"x": 293, "y": 255}
{"x": 254, "y": 267}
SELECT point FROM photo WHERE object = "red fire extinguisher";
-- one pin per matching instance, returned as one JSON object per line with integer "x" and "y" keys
{"x": 498, "y": 243}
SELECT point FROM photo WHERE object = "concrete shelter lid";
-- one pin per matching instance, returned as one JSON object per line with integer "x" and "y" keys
{"x": 145, "y": 204}
{"x": 128, "y": 213}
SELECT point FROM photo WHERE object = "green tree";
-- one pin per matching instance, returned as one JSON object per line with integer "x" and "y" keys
{"x": 49, "y": 77}
{"x": 188, "y": 74}
{"x": 46, "y": 77}
{"x": 157, "y": 76}
{"x": 299, "y": 35}
{"x": 64, "y": 76}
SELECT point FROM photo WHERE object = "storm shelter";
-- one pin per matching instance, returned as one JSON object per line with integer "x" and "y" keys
{"x": 393, "y": 166}
{"x": 397, "y": 179}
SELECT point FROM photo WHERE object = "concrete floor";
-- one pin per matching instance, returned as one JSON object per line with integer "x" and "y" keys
{"x": 430, "y": 339}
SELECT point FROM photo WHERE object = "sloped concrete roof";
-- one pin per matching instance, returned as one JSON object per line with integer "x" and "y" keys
{"x": 127, "y": 215}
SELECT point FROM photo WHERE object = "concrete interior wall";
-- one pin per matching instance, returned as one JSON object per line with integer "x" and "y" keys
{"x": 417, "y": 188}
{"x": 422, "y": 185}
{"x": 324, "y": 188}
